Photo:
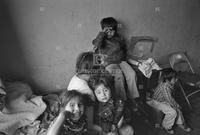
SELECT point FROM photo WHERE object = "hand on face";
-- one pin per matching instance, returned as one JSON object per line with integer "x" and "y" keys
{"x": 76, "y": 108}
{"x": 109, "y": 31}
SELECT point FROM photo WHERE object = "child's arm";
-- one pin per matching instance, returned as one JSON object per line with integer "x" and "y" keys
{"x": 56, "y": 126}
{"x": 98, "y": 41}
{"x": 168, "y": 97}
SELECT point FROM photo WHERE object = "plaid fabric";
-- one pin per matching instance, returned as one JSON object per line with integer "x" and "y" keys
{"x": 163, "y": 93}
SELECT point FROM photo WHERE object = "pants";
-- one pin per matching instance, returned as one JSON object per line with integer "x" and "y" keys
{"x": 119, "y": 71}
{"x": 171, "y": 115}
{"x": 130, "y": 77}
{"x": 115, "y": 71}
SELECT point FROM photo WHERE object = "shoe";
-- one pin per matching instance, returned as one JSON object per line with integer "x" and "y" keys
{"x": 170, "y": 131}
{"x": 184, "y": 127}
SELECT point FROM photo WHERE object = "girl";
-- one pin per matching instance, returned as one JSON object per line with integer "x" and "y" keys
{"x": 84, "y": 68}
{"x": 163, "y": 100}
{"x": 71, "y": 119}
{"x": 108, "y": 110}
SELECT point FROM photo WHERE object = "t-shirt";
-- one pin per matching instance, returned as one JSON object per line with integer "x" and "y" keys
{"x": 81, "y": 86}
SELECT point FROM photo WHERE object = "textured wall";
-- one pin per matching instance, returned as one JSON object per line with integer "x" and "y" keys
{"x": 43, "y": 37}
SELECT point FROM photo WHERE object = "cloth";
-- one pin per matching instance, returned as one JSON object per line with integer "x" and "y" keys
{"x": 163, "y": 93}
{"x": 80, "y": 85}
{"x": 21, "y": 109}
{"x": 108, "y": 114}
{"x": 31, "y": 129}
{"x": 146, "y": 67}
{"x": 131, "y": 78}
{"x": 172, "y": 115}
{"x": 75, "y": 128}
{"x": 114, "y": 48}
{"x": 52, "y": 110}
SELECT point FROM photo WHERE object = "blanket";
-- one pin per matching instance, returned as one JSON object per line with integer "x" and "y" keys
{"x": 22, "y": 107}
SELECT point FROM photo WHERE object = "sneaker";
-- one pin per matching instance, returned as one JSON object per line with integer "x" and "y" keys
{"x": 170, "y": 131}
{"x": 184, "y": 127}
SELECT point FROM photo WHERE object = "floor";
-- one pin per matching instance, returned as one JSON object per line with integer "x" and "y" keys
{"x": 143, "y": 126}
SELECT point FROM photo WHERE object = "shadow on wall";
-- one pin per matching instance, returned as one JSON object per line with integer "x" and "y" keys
{"x": 13, "y": 64}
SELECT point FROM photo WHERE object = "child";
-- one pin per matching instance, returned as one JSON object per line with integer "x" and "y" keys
{"x": 163, "y": 100}
{"x": 109, "y": 43}
{"x": 71, "y": 119}
{"x": 84, "y": 68}
{"x": 109, "y": 110}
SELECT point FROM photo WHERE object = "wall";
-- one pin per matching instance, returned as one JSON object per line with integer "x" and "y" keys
{"x": 42, "y": 38}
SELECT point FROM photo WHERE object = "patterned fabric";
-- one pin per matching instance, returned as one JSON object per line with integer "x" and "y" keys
{"x": 163, "y": 93}
{"x": 109, "y": 114}
{"x": 75, "y": 128}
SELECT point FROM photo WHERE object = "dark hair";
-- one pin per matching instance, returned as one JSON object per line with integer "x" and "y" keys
{"x": 167, "y": 74}
{"x": 66, "y": 96}
{"x": 102, "y": 78}
{"x": 109, "y": 22}
{"x": 85, "y": 63}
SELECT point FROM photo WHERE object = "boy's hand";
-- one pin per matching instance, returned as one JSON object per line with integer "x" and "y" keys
{"x": 104, "y": 29}
{"x": 107, "y": 30}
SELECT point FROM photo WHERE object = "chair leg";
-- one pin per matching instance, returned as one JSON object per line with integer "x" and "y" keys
{"x": 187, "y": 100}
{"x": 193, "y": 93}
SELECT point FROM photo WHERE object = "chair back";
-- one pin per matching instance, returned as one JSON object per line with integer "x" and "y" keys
{"x": 180, "y": 62}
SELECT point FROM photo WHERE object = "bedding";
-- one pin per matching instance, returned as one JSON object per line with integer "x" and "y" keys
{"x": 22, "y": 107}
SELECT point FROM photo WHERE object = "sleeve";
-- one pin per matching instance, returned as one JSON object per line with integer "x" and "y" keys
{"x": 118, "y": 111}
{"x": 98, "y": 41}
{"x": 168, "y": 97}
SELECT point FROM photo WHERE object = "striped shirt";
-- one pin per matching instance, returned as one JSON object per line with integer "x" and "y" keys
{"x": 163, "y": 93}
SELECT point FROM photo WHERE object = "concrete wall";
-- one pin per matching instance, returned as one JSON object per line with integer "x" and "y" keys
{"x": 42, "y": 38}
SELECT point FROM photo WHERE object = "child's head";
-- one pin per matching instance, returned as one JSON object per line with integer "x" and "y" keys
{"x": 85, "y": 63}
{"x": 74, "y": 102}
{"x": 103, "y": 86}
{"x": 109, "y": 24}
{"x": 169, "y": 75}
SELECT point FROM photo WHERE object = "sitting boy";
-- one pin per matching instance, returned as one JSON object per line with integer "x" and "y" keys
{"x": 112, "y": 45}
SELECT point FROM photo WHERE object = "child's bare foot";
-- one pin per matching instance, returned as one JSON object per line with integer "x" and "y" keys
{"x": 184, "y": 127}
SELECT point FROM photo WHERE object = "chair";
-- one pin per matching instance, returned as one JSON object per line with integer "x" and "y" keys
{"x": 176, "y": 58}
{"x": 141, "y": 47}
{"x": 179, "y": 61}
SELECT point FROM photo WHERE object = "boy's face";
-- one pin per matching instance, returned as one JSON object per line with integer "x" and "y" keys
{"x": 102, "y": 93}
{"x": 110, "y": 32}
{"x": 76, "y": 107}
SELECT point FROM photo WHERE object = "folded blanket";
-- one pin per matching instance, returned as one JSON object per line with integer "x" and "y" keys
{"x": 22, "y": 108}
{"x": 146, "y": 67}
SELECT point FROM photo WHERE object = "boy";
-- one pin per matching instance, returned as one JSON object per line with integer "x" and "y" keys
{"x": 112, "y": 45}
{"x": 163, "y": 100}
